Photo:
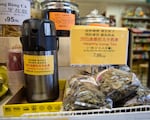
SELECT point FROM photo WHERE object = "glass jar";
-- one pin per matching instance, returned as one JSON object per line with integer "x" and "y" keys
{"x": 63, "y": 13}
{"x": 94, "y": 19}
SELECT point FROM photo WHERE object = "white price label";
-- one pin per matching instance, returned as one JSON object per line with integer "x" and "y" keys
{"x": 14, "y": 12}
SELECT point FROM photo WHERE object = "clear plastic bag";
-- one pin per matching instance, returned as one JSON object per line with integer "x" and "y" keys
{"x": 142, "y": 98}
{"x": 84, "y": 94}
{"x": 118, "y": 85}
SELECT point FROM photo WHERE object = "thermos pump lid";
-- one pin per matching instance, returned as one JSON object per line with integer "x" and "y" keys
{"x": 35, "y": 26}
{"x": 38, "y": 35}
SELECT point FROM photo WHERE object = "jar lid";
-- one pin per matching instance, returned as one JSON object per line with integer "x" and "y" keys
{"x": 60, "y": 4}
{"x": 94, "y": 17}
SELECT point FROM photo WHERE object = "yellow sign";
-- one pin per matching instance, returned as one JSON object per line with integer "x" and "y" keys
{"x": 38, "y": 65}
{"x": 94, "y": 45}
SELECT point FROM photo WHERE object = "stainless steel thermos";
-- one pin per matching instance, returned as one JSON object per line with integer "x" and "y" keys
{"x": 40, "y": 45}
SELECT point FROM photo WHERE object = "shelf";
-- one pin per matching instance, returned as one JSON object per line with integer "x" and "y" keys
{"x": 119, "y": 2}
{"x": 140, "y": 57}
{"x": 139, "y": 61}
{"x": 135, "y": 50}
{"x": 124, "y": 113}
{"x": 135, "y": 59}
{"x": 136, "y": 22}
{"x": 141, "y": 35}
{"x": 139, "y": 32}
{"x": 142, "y": 42}
{"x": 136, "y": 18}
{"x": 140, "y": 48}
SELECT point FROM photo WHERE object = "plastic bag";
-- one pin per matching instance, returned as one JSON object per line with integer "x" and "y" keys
{"x": 84, "y": 94}
{"x": 118, "y": 85}
{"x": 142, "y": 98}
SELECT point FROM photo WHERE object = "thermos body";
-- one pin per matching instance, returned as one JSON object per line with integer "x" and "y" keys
{"x": 40, "y": 60}
{"x": 42, "y": 87}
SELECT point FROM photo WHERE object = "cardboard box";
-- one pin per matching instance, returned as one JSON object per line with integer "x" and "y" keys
{"x": 18, "y": 105}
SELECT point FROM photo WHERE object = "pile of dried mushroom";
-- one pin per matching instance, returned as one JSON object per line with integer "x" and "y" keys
{"x": 110, "y": 88}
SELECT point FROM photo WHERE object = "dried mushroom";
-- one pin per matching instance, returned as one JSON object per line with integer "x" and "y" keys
{"x": 142, "y": 98}
{"x": 111, "y": 88}
{"x": 117, "y": 85}
{"x": 83, "y": 94}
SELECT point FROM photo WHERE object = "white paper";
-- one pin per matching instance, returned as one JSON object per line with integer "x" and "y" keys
{"x": 14, "y": 12}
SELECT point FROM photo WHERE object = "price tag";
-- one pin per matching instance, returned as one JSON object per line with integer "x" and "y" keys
{"x": 93, "y": 45}
{"x": 14, "y": 12}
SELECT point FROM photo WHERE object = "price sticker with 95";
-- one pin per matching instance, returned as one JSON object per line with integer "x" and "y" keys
{"x": 14, "y": 12}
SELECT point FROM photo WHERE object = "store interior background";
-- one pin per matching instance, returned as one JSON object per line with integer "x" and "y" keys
{"x": 110, "y": 7}
{"x": 107, "y": 7}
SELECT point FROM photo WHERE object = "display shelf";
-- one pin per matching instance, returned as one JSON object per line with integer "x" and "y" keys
{"x": 142, "y": 35}
{"x": 136, "y": 22}
{"x": 140, "y": 43}
{"x": 140, "y": 49}
{"x": 136, "y": 18}
{"x": 120, "y": 2}
{"x": 140, "y": 57}
{"x": 124, "y": 113}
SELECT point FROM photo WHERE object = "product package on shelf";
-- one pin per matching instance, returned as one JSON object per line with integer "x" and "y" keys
{"x": 110, "y": 88}
{"x": 12, "y": 15}
{"x": 83, "y": 94}
{"x": 118, "y": 85}
{"x": 3, "y": 81}
{"x": 11, "y": 56}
